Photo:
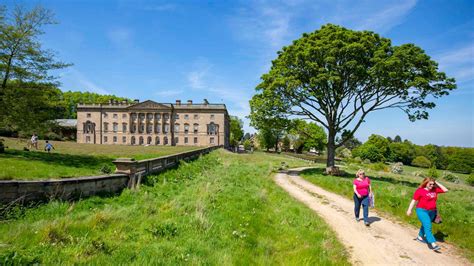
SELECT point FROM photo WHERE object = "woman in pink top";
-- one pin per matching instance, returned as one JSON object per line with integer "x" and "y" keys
{"x": 425, "y": 199}
{"x": 362, "y": 189}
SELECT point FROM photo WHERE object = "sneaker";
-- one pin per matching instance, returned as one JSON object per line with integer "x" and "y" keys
{"x": 436, "y": 248}
{"x": 420, "y": 239}
{"x": 357, "y": 219}
{"x": 367, "y": 224}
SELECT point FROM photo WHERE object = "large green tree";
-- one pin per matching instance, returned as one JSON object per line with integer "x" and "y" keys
{"x": 336, "y": 77}
{"x": 236, "y": 130}
{"x": 309, "y": 134}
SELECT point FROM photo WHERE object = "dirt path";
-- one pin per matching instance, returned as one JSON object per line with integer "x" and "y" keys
{"x": 383, "y": 243}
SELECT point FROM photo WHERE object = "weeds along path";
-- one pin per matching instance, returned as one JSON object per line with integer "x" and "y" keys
{"x": 385, "y": 242}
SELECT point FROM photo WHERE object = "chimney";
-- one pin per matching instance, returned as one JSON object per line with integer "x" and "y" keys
{"x": 178, "y": 102}
{"x": 206, "y": 102}
{"x": 190, "y": 102}
{"x": 111, "y": 101}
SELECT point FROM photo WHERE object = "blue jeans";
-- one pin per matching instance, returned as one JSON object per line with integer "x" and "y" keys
{"x": 364, "y": 201}
{"x": 425, "y": 217}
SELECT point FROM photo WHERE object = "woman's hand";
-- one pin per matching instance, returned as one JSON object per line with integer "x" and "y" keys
{"x": 358, "y": 195}
{"x": 408, "y": 212}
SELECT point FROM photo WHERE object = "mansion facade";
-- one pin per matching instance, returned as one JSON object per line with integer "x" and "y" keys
{"x": 152, "y": 123}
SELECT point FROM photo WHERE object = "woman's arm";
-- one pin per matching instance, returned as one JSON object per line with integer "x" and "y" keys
{"x": 412, "y": 204}
{"x": 355, "y": 191}
{"x": 441, "y": 186}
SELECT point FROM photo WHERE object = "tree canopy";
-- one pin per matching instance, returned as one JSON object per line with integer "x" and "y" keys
{"x": 336, "y": 77}
{"x": 236, "y": 130}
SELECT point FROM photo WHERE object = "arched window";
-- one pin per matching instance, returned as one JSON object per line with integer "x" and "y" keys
{"x": 148, "y": 141}
{"x": 133, "y": 141}
{"x": 140, "y": 141}
{"x": 165, "y": 141}
{"x": 157, "y": 141}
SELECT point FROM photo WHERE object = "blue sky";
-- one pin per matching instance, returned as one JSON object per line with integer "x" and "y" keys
{"x": 218, "y": 50}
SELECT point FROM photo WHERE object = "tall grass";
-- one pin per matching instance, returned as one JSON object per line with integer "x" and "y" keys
{"x": 220, "y": 209}
{"x": 393, "y": 195}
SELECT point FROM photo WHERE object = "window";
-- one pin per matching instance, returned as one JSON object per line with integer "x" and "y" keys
{"x": 106, "y": 126}
{"x": 149, "y": 128}
{"x": 115, "y": 139}
{"x": 148, "y": 141}
{"x": 134, "y": 117}
{"x": 105, "y": 115}
{"x": 124, "y": 115}
{"x": 88, "y": 139}
{"x": 115, "y": 127}
{"x": 196, "y": 117}
{"x": 88, "y": 115}
{"x": 105, "y": 139}
{"x": 165, "y": 140}
{"x": 176, "y": 116}
{"x": 141, "y": 117}
{"x": 140, "y": 141}
{"x": 166, "y": 116}
{"x": 186, "y": 117}
{"x": 166, "y": 129}
{"x": 134, "y": 128}
{"x": 124, "y": 139}
{"x": 158, "y": 128}
{"x": 176, "y": 140}
{"x": 114, "y": 116}
{"x": 186, "y": 128}
{"x": 195, "y": 140}
{"x": 212, "y": 129}
{"x": 186, "y": 140}
{"x": 212, "y": 117}
{"x": 149, "y": 116}
{"x": 176, "y": 128}
{"x": 124, "y": 127}
{"x": 142, "y": 128}
{"x": 211, "y": 140}
{"x": 196, "y": 128}
{"x": 157, "y": 116}
{"x": 133, "y": 140}
{"x": 157, "y": 140}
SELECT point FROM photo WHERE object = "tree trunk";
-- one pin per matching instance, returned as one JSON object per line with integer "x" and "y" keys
{"x": 331, "y": 149}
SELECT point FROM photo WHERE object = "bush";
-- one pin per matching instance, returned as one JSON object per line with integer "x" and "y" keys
{"x": 470, "y": 179}
{"x": 105, "y": 169}
{"x": 52, "y": 136}
{"x": 370, "y": 152}
{"x": 344, "y": 152}
{"x": 451, "y": 178}
{"x": 378, "y": 167}
{"x": 421, "y": 161}
{"x": 432, "y": 172}
{"x": 397, "y": 168}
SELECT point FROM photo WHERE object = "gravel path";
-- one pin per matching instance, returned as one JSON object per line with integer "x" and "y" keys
{"x": 385, "y": 242}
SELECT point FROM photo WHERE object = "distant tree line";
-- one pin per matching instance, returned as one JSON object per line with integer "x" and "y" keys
{"x": 385, "y": 149}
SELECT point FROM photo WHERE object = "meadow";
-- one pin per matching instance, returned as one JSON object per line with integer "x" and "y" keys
{"x": 222, "y": 208}
{"x": 70, "y": 159}
{"x": 393, "y": 193}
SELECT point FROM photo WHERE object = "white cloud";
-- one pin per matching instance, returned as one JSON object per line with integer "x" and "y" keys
{"x": 458, "y": 62}
{"x": 73, "y": 79}
{"x": 199, "y": 72}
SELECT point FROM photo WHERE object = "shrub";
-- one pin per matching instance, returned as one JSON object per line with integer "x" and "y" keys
{"x": 421, "y": 161}
{"x": 52, "y": 136}
{"x": 432, "y": 172}
{"x": 451, "y": 178}
{"x": 344, "y": 153}
{"x": 397, "y": 168}
{"x": 370, "y": 152}
{"x": 378, "y": 167}
{"x": 105, "y": 169}
{"x": 470, "y": 179}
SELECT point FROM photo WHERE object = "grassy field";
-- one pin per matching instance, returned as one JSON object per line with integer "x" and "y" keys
{"x": 70, "y": 159}
{"x": 221, "y": 209}
{"x": 393, "y": 193}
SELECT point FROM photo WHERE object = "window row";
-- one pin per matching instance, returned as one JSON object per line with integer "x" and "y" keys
{"x": 142, "y": 116}
{"x": 212, "y": 129}
{"x": 149, "y": 140}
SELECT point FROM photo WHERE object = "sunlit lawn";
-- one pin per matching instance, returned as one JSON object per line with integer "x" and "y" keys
{"x": 70, "y": 159}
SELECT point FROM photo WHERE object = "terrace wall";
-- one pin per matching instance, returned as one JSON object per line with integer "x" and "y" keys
{"x": 128, "y": 174}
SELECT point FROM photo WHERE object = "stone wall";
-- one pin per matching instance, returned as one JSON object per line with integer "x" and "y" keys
{"x": 128, "y": 174}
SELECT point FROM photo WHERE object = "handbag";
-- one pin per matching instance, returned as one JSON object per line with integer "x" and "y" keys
{"x": 371, "y": 200}
{"x": 437, "y": 219}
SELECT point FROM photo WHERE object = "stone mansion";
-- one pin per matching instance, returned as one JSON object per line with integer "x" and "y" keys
{"x": 152, "y": 123}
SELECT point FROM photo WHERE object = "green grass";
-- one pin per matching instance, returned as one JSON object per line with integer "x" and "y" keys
{"x": 220, "y": 209}
{"x": 393, "y": 194}
{"x": 70, "y": 159}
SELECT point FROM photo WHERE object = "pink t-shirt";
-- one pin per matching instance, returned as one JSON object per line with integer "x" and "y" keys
{"x": 427, "y": 198}
{"x": 362, "y": 187}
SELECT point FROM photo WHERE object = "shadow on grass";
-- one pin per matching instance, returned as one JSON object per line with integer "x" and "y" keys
{"x": 322, "y": 171}
{"x": 79, "y": 161}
